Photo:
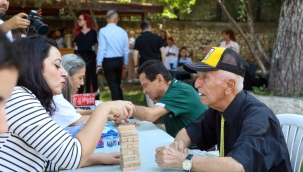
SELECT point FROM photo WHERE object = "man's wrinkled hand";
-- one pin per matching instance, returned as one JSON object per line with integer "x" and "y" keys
{"x": 179, "y": 146}
{"x": 167, "y": 157}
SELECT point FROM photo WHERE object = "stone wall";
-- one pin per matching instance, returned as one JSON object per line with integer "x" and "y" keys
{"x": 196, "y": 35}
{"x": 281, "y": 105}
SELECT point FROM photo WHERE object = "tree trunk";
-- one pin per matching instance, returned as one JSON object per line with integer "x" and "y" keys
{"x": 253, "y": 33}
{"x": 287, "y": 60}
{"x": 219, "y": 12}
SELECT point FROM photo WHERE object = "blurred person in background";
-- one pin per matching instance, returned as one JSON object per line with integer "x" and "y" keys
{"x": 113, "y": 52}
{"x": 86, "y": 45}
{"x": 229, "y": 38}
{"x": 171, "y": 53}
{"x": 17, "y": 21}
{"x": 164, "y": 36}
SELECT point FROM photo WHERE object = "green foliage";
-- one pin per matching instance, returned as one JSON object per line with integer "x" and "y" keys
{"x": 183, "y": 6}
{"x": 242, "y": 11}
{"x": 133, "y": 94}
{"x": 261, "y": 90}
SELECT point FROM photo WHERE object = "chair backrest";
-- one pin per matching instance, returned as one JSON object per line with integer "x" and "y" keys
{"x": 252, "y": 69}
{"x": 292, "y": 128}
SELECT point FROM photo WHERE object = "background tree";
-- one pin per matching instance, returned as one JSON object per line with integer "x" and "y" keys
{"x": 246, "y": 12}
{"x": 287, "y": 60}
{"x": 286, "y": 65}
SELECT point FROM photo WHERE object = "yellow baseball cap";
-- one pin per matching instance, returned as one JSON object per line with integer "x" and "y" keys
{"x": 219, "y": 58}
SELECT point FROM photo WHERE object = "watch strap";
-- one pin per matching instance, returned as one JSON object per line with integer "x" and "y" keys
{"x": 189, "y": 156}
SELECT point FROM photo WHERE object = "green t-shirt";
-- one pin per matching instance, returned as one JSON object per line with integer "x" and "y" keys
{"x": 184, "y": 104}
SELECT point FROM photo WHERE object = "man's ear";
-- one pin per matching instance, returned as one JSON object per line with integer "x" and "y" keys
{"x": 160, "y": 78}
{"x": 231, "y": 83}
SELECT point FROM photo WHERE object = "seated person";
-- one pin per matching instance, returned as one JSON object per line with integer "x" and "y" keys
{"x": 34, "y": 142}
{"x": 247, "y": 131}
{"x": 176, "y": 102}
{"x": 10, "y": 66}
{"x": 182, "y": 58}
{"x": 65, "y": 114}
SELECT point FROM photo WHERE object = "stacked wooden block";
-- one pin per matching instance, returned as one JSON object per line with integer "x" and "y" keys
{"x": 129, "y": 147}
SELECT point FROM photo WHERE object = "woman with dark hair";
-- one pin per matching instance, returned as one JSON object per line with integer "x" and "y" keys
{"x": 164, "y": 36}
{"x": 230, "y": 40}
{"x": 10, "y": 66}
{"x": 86, "y": 45}
{"x": 182, "y": 58}
{"x": 34, "y": 142}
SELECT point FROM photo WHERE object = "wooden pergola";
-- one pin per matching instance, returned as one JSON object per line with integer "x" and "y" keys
{"x": 99, "y": 9}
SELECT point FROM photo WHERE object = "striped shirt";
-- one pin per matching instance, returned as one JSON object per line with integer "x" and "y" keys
{"x": 34, "y": 142}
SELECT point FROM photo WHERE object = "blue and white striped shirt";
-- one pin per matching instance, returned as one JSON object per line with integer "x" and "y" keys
{"x": 113, "y": 42}
{"x": 34, "y": 142}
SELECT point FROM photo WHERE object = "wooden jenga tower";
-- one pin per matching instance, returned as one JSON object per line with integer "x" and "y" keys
{"x": 129, "y": 147}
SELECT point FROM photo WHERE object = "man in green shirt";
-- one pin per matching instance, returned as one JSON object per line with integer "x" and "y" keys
{"x": 176, "y": 102}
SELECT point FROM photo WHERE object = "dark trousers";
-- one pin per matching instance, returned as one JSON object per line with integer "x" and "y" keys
{"x": 90, "y": 72}
{"x": 113, "y": 73}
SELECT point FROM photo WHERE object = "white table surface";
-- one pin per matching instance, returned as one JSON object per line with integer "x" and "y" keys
{"x": 150, "y": 137}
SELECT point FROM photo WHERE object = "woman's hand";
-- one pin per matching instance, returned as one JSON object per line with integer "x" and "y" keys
{"x": 102, "y": 159}
{"x": 109, "y": 158}
{"x": 120, "y": 109}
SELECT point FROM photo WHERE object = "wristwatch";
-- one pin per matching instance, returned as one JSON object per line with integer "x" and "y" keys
{"x": 187, "y": 163}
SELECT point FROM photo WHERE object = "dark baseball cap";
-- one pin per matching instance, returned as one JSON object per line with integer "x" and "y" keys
{"x": 219, "y": 58}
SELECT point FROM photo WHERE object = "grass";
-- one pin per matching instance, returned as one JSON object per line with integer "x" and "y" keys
{"x": 131, "y": 93}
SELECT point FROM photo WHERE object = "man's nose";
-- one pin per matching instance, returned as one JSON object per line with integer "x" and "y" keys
{"x": 197, "y": 83}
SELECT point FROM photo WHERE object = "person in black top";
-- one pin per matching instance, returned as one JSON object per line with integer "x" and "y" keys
{"x": 247, "y": 131}
{"x": 86, "y": 45}
{"x": 149, "y": 46}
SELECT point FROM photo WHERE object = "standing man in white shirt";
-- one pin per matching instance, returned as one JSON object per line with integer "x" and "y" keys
{"x": 13, "y": 23}
{"x": 113, "y": 49}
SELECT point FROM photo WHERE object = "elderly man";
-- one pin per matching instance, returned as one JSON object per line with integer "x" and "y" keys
{"x": 113, "y": 54}
{"x": 177, "y": 103}
{"x": 15, "y": 22}
{"x": 246, "y": 130}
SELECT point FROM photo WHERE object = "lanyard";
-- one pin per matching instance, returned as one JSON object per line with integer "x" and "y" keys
{"x": 222, "y": 137}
